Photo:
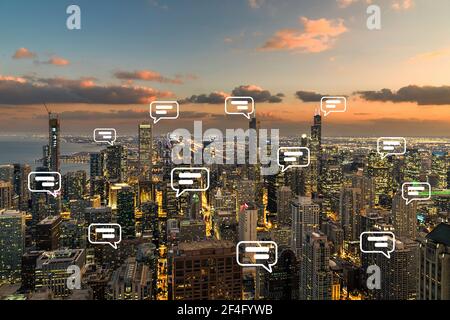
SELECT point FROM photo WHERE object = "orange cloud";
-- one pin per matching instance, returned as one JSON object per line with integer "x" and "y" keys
{"x": 318, "y": 35}
{"x": 403, "y": 4}
{"x": 431, "y": 55}
{"x": 24, "y": 53}
{"x": 147, "y": 75}
{"x": 58, "y": 61}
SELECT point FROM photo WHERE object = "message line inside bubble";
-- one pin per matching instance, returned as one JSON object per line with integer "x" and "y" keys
{"x": 44, "y": 178}
{"x": 381, "y": 245}
{"x": 381, "y": 238}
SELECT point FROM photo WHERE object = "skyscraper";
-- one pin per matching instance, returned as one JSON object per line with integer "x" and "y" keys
{"x": 284, "y": 197}
{"x": 404, "y": 217}
{"x": 54, "y": 142}
{"x": 206, "y": 270}
{"x": 116, "y": 163}
{"x": 316, "y": 277}
{"x": 6, "y": 195}
{"x": 350, "y": 211}
{"x": 305, "y": 218}
{"x": 434, "y": 264}
{"x": 248, "y": 221}
{"x": 145, "y": 151}
{"x": 399, "y": 273}
{"x": 12, "y": 241}
{"x": 48, "y": 232}
{"x": 20, "y": 181}
{"x": 316, "y": 153}
{"x": 125, "y": 212}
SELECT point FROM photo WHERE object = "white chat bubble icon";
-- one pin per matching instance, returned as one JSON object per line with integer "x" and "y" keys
{"x": 105, "y": 135}
{"x": 164, "y": 110}
{"x": 333, "y": 104}
{"x": 389, "y": 146}
{"x": 293, "y": 157}
{"x": 240, "y": 105}
{"x": 105, "y": 233}
{"x": 45, "y": 182}
{"x": 377, "y": 242}
{"x": 189, "y": 179}
{"x": 416, "y": 191}
{"x": 257, "y": 254}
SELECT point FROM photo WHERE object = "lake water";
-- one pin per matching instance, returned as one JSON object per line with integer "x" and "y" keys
{"x": 29, "y": 149}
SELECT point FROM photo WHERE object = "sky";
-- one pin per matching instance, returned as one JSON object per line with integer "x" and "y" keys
{"x": 285, "y": 54}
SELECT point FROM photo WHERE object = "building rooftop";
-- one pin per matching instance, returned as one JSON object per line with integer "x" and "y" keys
{"x": 440, "y": 234}
{"x": 210, "y": 244}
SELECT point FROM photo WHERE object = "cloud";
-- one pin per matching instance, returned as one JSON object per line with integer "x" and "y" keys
{"x": 24, "y": 53}
{"x": 309, "y": 96}
{"x": 20, "y": 91}
{"x": 431, "y": 55}
{"x": 317, "y": 36}
{"x": 257, "y": 93}
{"x": 149, "y": 75}
{"x": 255, "y": 4}
{"x": 426, "y": 95}
{"x": 403, "y": 5}
{"x": 57, "y": 61}
{"x": 216, "y": 97}
{"x": 345, "y": 3}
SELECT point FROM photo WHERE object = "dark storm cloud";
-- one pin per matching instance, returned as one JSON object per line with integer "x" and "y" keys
{"x": 212, "y": 98}
{"x": 58, "y": 90}
{"x": 258, "y": 94}
{"x": 309, "y": 96}
{"x": 426, "y": 95}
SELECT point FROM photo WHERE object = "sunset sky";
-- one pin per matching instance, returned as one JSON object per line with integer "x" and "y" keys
{"x": 286, "y": 54}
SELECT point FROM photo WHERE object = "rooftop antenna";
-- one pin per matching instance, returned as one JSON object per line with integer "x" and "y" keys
{"x": 46, "y": 108}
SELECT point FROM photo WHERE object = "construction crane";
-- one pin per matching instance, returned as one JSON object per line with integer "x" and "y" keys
{"x": 46, "y": 108}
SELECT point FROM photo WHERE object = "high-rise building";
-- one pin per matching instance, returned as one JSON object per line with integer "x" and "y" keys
{"x": 116, "y": 163}
{"x": 284, "y": 197}
{"x": 316, "y": 153}
{"x": 349, "y": 212}
{"x": 51, "y": 269}
{"x": 404, "y": 217}
{"x": 20, "y": 181}
{"x": 6, "y": 195}
{"x": 434, "y": 264}
{"x": 54, "y": 143}
{"x": 282, "y": 282}
{"x": 149, "y": 211}
{"x": 7, "y": 172}
{"x": 48, "y": 232}
{"x": 28, "y": 272}
{"x": 74, "y": 185}
{"x": 132, "y": 281}
{"x": 248, "y": 221}
{"x": 145, "y": 151}
{"x": 126, "y": 212}
{"x": 305, "y": 218}
{"x": 316, "y": 277}
{"x": 206, "y": 270}
{"x": 96, "y": 177}
{"x": 12, "y": 241}
{"x": 399, "y": 273}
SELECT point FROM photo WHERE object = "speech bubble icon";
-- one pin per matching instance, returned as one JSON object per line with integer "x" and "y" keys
{"x": 416, "y": 191}
{"x": 189, "y": 179}
{"x": 240, "y": 105}
{"x": 45, "y": 182}
{"x": 257, "y": 254}
{"x": 164, "y": 110}
{"x": 105, "y": 135}
{"x": 333, "y": 104}
{"x": 390, "y": 146}
{"x": 105, "y": 233}
{"x": 293, "y": 157}
{"x": 377, "y": 242}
